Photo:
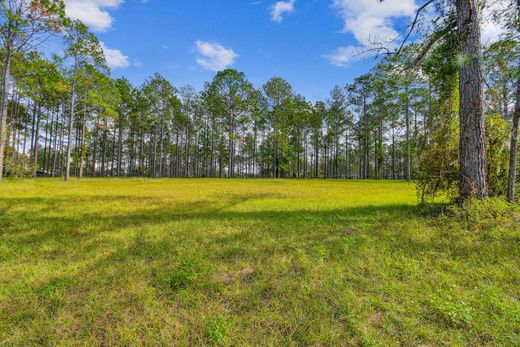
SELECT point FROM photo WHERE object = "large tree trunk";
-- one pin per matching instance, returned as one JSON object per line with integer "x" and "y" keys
{"x": 473, "y": 176}
{"x": 514, "y": 148}
{"x": 3, "y": 114}
{"x": 514, "y": 132}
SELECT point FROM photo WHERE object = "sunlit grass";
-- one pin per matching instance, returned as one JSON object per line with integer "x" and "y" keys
{"x": 251, "y": 262}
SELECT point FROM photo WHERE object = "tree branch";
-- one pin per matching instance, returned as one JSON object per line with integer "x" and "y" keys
{"x": 414, "y": 24}
{"x": 438, "y": 35}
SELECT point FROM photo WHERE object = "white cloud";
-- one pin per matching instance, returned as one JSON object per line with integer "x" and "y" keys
{"x": 92, "y": 12}
{"x": 115, "y": 58}
{"x": 280, "y": 8}
{"x": 371, "y": 23}
{"x": 369, "y": 20}
{"x": 342, "y": 56}
{"x": 491, "y": 28}
{"x": 215, "y": 57}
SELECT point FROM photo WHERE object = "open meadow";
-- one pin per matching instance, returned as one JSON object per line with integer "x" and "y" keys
{"x": 252, "y": 262}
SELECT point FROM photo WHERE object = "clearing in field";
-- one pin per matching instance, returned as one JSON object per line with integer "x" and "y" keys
{"x": 250, "y": 262}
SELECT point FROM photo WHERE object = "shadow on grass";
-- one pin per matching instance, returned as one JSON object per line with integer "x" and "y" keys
{"x": 119, "y": 239}
{"x": 27, "y": 221}
{"x": 71, "y": 222}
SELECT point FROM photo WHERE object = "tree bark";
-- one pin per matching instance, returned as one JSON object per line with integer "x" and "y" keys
{"x": 119, "y": 147}
{"x": 36, "y": 141}
{"x": 408, "y": 147}
{"x": 473, "y": 176}
{"x": 161, "y": 146}
{"x": 82, "y": 148}
{"x": 3, "y": 114}
{"x": 71, "y": 129}
{"x": 514, "y": 148}
{"x": 514, "y": 132}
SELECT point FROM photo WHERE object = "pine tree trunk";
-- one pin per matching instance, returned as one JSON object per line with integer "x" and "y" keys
{"x": 94, "y": 152}
{"x": 514, "y": 148}
{"x": 82, "y": 144}
{"x": 3, "y": 115}
{"x": 316, "y": 160}
{"x": 187, "y": 152}
{"x": 55, "y": 146}
{"x": 45, "y": 145}
{"x": 36, "y": 142}
{"x": 119, "y": 147}
{"x": 408, "y": 147}
{"x": 161, "y": 146}
{"x": 71, "y": 129}
{"x": 473, "y": 176}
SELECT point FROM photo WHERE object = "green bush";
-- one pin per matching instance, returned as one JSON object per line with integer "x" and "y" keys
{"x": 18, "y": 165}
{"x": 490, "y": 216}
{"x": 498, "y": 132}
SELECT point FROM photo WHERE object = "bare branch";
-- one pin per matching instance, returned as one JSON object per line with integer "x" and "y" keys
{"x": 414, "y": 24}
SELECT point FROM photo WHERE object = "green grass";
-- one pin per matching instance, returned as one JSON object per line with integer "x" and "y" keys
{"x": 252, "y": 262}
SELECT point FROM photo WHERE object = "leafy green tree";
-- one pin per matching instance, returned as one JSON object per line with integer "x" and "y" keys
{"x": 24, "y": 24}
{"x": 84, "y": 53}
{"x": 159, "y": 94}
{"x": 278, "y": 94}
{"x": 337, "y": 113}
{"x": 232, "y": 93}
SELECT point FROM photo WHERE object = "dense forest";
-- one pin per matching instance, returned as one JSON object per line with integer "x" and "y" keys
{"x": 441, "y": 110}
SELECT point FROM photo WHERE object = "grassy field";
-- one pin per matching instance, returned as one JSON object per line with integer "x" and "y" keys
{"x": 252, "y": 262}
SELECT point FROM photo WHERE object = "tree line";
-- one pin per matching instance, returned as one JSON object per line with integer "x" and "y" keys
{"x": 442, "y": 111}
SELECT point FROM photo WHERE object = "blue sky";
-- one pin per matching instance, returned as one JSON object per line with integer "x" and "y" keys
{"x": 310, "y": 43}
{"x": 165, "y": 40}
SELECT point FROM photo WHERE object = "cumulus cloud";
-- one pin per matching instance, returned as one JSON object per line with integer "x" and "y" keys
{"x": 213, "y": 56}
{"x": 92, "y": 12}
{"x": 342, "y": 56}
{"x": 369, "y": 23}
{"x": 280, "y": 8}
{"x": 115, "y": 58}
{"x": 372, "y": 21}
